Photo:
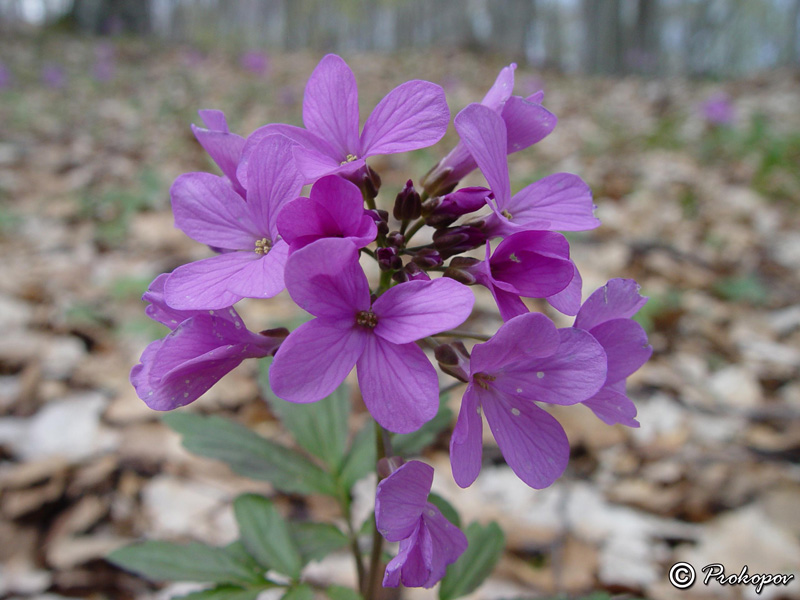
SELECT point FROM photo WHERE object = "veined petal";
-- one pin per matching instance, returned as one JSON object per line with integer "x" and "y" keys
{"x": 416, "y": 309}
{"x": 214, "y": 119}
{"x": 204, "y": 284}
{"x": 272, "y": 180}
{"x": 325, "y": 279}
{"x": 501, "y": 89}
{"x": 314, "y": 164}
{"x": 617, "y": 299}
{"x": 391, "y": 577}
{"x": 401, "y": 498}
{"x": 398, "y": 384}
{"x": 223, "y": 147}
{"x": 160, "y": 311}
{"x": 208, "y": 210}
{"x": 483, "y": 132}
{"x": 563, "y": 199}
{"x": 448, "y": 541}
{"x": 568, "y": 300}
{"x": 417, "y": 568}
{"x": 613, "y": 407}
{"x": 263, "y": 277}
{"x": 572, "y": 374}
{"x": 314, "y": 360}
{"x": 532, "y": 441}
{"x": 413, "y": 115}
{"x": 626, "y": 346}
{"x": 343, "y": 200}
{"x": 466, "y": 443}
{"x": 525, "y": 337}
{"x": 330, "y": 104}
{"x": 526, "y": 123}
{"x": 509, "y": 304}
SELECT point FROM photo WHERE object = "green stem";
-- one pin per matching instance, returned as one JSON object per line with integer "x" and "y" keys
{"x": 382, "y": 444}
{"x": 415, "y": 228}
{"x": 455, "y": 333}
{"x": 353, "y": 535}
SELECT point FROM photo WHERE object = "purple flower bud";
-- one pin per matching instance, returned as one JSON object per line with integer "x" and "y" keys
{"x": 389, "y": 259}
{"x": 380, "y": 217}
{"x": 410, "y": 272}
{"x": 427, "y": 258}
{"x": 453, "y": 359}
{"x": 444, "y": 210}
{"x": 396, "y": 239}
{"x": 461, "y": 269}
{"x": 367, "y": 179}
{"x": 455, "y": 240}
{"x": 407, "y": 205}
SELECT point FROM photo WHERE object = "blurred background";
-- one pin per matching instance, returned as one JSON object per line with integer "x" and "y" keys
{"x": 682, "y": 115}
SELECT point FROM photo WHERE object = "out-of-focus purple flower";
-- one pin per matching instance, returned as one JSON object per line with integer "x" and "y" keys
{"x": 718, "y": 110}
{"x": 561, "y": 201}
{"x": 224, "y": 147}
{"x": 6, "y": 79}
{"x": 398, "y": 383}
{"x": 532, "y": 264}
{"x": 256, "y": 62}
{"x": 54, "y": 76}
{"x": 606, "y": 315}
{"x": 103, "y": 68}
{"x": 528, "y": 360}
{"x": 192, "y": 57}
{"x": 445, "y": 210}
{"x": 334, "y": 209}
{"x": 428, "y": 541}
{"x": 526, "y": 122}
{"x": 202, "y": 348}
{"x": 414, "y": 115}
{"x": 208, "y": 210}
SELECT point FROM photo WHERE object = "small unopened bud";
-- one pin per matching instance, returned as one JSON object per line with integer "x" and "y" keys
{"x": 395, "y": 238}
{"x": 460, "y": 269}
{"x": 438, "y": 180}
{"x": 380, "y": 217}
{"x": 370, "y": 182}
{"x": 407, "y": 205}
{"x": 410, "y": 272}
{"x": 453, "y": 359}
{"x": 427, "y": 258}
{"x": 444, "y": 211}
{"x": 389, "y": 259}
{"x": 279, "y": 333}
{"x": 455, "y": 240}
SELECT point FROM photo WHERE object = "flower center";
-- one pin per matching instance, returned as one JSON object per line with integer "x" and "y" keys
{"x": 263, "y": 246}
{"x": 483, "y": 379}
{"x": 506, "y": 214}
{"x": 366, "y": 318}
{"x": 350, "y": 158}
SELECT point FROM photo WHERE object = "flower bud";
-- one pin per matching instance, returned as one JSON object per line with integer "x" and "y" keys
{"x": 453, "y": 359}
{"x": 407, "y": 205}
{"x": 380, "y": 217}
{"x": 427, "y": 258}
{"x": 389, "y": 259}
{"x": 455, "y": 240}
{"x": 460, "y": 269}
{"x": 396, "y": 239}
{"x": 370, "y": 181}
{"x": 443, "y": 211}
{"x": 410, "y": 272}
{"x": 279, "y": 333}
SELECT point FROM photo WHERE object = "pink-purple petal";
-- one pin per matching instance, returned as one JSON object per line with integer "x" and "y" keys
{"x": 416, "y": 309}
{"x": 262, "y": 278}
{"x": 398, "y": 384}
{"x": 394, "y": 568}
{"x": 448, "y": 542}
{"x": 401, "y": 498}
{"x": 563, "y": 199}
{"x": 209, "y": 211}
{"x": 314, "y": 360}
{"x": 526, "y": 123}
{"x": 617, "y": 299}
{"x": 223, "y": 147}
{"x": 314, "y": 164}
{"x": 625, "y": 344}
{"x": 330, "y": 104}
{"x": 568, "y": 300}
{"x": 531, "y": 336}
{"x": 613, "y": 407}
{"x": 414, "y": 115}
{"x": 509, "y": 304}
{"x": 501, "y": 89}
{"x": 160, "y": 311}
{"x": 466, "y": 443}
{"x": 204, "y": 284}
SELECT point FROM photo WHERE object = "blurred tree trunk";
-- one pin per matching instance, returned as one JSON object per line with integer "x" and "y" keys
{"x": 646, "y": 47}
{"x": 792, "y": 52}
{"x": 112, "y": 16}
{"x": 604, "y": 43}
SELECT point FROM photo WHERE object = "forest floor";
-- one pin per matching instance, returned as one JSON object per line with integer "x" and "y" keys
{"x": 706, "y": 218}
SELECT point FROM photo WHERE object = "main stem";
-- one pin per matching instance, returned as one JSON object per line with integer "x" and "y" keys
{"x": 374, "y": 575}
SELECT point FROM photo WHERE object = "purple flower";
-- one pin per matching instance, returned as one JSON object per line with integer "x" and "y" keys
{"x": 334, "y": 208}
{"x": 718, "y": 110}
{"x": 398, "y": 383}
{"x": 428, "y": 541}
{"x": 209, "y": 211}
{"x": 526, "y": 123}
{"x": 255, "y": 62}
{"x": 606, "y": 315}
{"x": 528, "y": 360}
{"x": 558, "y": 202}
{"x": 53, "y": 76}
{"x": 6, "y": 79}
{"x": 532, "y": 264}
{"x": 202, "y": 347}
{"x": 224, "y": 147}
{"x": 414, "y": 115}
{"x": 445, "y": 210}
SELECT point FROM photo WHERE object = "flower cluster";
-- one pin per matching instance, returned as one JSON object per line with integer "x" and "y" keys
{"x": 266, "y": 237}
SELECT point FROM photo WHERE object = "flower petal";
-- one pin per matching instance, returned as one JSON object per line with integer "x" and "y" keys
{"x": 568, "y": 300}
{"x": 525, "y": 337}
{"x": 159, "y": 310}
{"x": 526, "y": 123}
{"x": 326, "y": 279}
{"x": 204, "y": 284}
{"x": 401, "y": 498}
{"x": 262, "y": 278}
{"x": 416, "y": 309}
{"x": 314, "y": 164}
{"x": 613, "y": 407}
{"x": 509, "y": 304}
{"x": 483, "y": 132}
{"x": 394, "y": 568}
{"x": 448, "y": 542}
{"x": 501, "y": 89}
{"x": 617, "y": 299}
{"x": 417, "y": 567}
{"x": 466, "y": 443}
{"x": 399, "y": 385}
{"x": 208, "y": 210}
{"x": 532, "y": 441}
{"x": 330, "y": 105}
{"x": 314, "y": 360}
{"x": 626, "y": 346}
{"x": 223, "y": 147}
{"x": 563, "y": 199}
{"x": 272, "y": 180}
{"x": 413, "y": 115}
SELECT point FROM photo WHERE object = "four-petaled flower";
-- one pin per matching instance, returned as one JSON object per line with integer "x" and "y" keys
{"x": 428, "y": 541}
{"x": 398, "y": 383}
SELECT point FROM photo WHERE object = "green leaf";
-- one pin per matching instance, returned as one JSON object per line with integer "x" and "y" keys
{"x": 316, "y": 540}
{"x": 337, "y": 592}
{"x": 266, "y": 536}
{"x": 249, "y": 454}
{"x": 447, "y": 509}
{"x": 223, "y": 592}
{"x": 360, "y": 460}
{"x": 411, "y": 444}
{"x": 164, "y": 561}
{"x": 299, "y": 592}
{"x": 476, "y": 564}
{"x": 319, "y": 427}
